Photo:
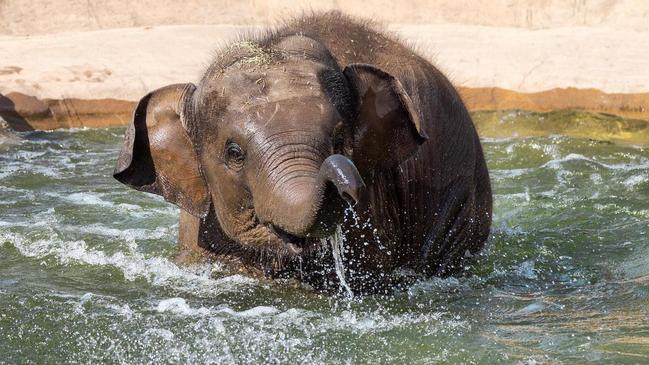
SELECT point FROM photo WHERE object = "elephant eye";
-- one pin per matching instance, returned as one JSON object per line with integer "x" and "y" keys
{"x": 234, "y": 154}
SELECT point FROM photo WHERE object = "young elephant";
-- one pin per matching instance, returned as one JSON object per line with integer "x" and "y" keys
{"x": 285, "y": 131}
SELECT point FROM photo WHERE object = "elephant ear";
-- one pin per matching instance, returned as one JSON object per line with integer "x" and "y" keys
{"x": 158, "y": 156}
{"x": 387, "y": 129}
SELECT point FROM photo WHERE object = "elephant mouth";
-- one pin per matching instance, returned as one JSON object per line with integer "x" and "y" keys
{"x": 295, "y": 244}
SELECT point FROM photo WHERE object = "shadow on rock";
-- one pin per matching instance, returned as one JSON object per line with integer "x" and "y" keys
{"x": 7, "y": 136}
{"x": 13, "y": 114}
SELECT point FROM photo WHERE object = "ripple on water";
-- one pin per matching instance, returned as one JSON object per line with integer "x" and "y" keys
{"x": 88, "y": 271}
{"x": 157, "y": 271}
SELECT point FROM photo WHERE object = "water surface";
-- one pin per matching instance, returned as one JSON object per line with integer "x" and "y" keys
{"x": 87, "y": 271}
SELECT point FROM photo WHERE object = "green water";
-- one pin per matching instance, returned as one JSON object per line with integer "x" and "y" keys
{"x": 87, "y": 271}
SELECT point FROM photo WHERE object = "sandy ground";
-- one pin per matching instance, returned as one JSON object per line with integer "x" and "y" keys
{"x": 126, "y": 63}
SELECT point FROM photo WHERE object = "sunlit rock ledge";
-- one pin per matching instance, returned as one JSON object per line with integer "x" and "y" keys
{"x": 496, "y": 112}
{"x": 93, "y": 78}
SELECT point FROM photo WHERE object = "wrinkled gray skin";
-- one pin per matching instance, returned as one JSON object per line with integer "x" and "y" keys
{"x": 285, "y": 131}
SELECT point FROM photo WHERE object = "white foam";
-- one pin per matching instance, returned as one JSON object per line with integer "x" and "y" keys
{"x": 94, "y": 199}
{"x": 373, "y": 322}
{"x": 15, "y": 190}
{"x": 158, "y": 271}
{"x": 8, "y": 169}
{"x": 159, "y": 332}
{"x": 511, "y": 172}
{"x": 122, "y": 310}
{"x": 515, "y": 196}
{"x": 531, "y": 308}
{"x": 635, "y": 180}
{"x": 526, "y": 269}
{"x": 498, "y": 139}
{"x": 259, "y": 311}
{"x": 124, "y": 234}
{"x": 556, "y": 163}
{"x": 180, "y": 306}
{"x": 84, "y": 198}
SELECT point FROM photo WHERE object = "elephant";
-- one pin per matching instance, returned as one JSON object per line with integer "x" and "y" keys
{"x": 324, "y": 150}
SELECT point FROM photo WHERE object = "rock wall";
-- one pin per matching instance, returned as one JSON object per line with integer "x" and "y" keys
{"x": 76, "y": 63}
{"x": 23, "y": 17}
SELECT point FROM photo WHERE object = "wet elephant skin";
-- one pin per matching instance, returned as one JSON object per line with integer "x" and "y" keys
{"x": 286, "y": 131}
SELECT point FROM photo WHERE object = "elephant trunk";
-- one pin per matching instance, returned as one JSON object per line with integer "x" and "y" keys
{"x": 343, "y": 174}
{"x": 303, "y": 205}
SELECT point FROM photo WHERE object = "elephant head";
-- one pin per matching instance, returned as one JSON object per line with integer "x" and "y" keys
{"x": 273, "y": 138}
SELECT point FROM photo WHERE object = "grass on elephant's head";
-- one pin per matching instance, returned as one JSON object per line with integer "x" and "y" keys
{"x": 255, "y": 55}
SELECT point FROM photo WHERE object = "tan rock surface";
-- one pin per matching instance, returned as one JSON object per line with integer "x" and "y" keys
{"x": 127, "y": 63}
{"x": 23, "y": 112}
{"x": 594, "y": 58}
{"x": 626, "y": 105}
{"x": 22, "y": 17}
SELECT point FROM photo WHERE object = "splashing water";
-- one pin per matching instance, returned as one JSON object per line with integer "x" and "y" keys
{"x": 87, "y": 271}
{"x": 337, "y": 243}
{"x": 338, "y": 240}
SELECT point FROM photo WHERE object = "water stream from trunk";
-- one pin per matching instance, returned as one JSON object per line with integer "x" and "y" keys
{"x": 337, "y": 243}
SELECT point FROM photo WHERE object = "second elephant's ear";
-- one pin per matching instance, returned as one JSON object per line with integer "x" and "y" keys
{"x": 158, "y": 156}
{"x": 387, "y": 129}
